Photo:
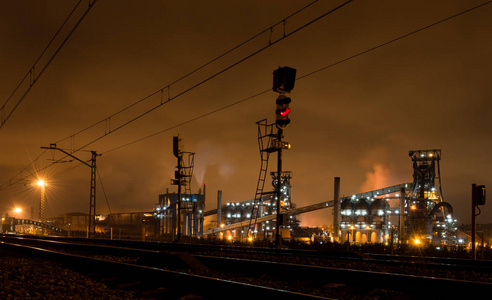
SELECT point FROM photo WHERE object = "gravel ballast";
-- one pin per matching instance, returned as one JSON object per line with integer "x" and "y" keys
{"x": 32, "y": 278}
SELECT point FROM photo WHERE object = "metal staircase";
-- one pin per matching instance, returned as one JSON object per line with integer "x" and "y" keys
{"x": 266, "y": 140}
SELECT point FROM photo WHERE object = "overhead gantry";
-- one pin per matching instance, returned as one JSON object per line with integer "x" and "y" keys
{"x": 305, "y": 209}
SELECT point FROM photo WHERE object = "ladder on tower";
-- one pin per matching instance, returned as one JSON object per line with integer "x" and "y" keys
{"x": 187, "y": 173}
{"x": 266, "y": 139}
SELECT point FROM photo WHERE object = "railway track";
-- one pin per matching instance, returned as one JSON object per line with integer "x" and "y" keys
{"x": 297, "y": 275}
{"x": 319, "y": 257}
{"x": 153, "y": 282}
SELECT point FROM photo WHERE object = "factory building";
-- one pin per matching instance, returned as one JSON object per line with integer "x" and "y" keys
{"x": 419, "y": 214}
{"x": 191, "y": 214}
{"x": 365, "y": 220}
{"x": 251, "y": 211}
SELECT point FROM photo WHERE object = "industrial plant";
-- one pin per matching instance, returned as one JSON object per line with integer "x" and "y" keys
{"x": 412, "y": 212}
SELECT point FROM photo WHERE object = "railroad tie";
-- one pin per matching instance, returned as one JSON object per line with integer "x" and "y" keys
{"x": 193, "y": 263}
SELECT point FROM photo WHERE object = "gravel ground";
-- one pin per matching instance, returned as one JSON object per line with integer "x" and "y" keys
{"x": 30, "y": 278}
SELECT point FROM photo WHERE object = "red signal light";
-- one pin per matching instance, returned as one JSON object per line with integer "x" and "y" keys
{"x": 285, "y": 112}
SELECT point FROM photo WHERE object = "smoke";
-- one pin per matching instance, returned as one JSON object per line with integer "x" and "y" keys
{"x": 210, "y": 155}
{"x": 378, "y": 177}
{"x": 382, "y": 170}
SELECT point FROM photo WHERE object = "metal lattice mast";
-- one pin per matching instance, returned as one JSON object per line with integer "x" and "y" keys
{"x": 182, "y": 177}
{"x": 92, "y": 205}
{"x": 92, "y": 200}
{"x": 268, "y": 142}
{"x": 187, "y": 173}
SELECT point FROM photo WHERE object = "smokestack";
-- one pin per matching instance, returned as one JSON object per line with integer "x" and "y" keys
{"x": 219, "y": 208}
{"x": 336, "y": 210}
{"x": 401, "y": 235}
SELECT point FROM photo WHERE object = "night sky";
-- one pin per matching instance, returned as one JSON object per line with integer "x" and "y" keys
{"x": 356, "y": 120}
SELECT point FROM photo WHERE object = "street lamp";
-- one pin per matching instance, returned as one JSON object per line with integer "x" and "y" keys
{"x": 43, "y": 185}
{"x": 352, "y": 228}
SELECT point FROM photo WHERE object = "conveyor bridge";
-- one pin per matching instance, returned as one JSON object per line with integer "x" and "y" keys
{"x": 308, "y": 208}
{"x": 13, "y": 221}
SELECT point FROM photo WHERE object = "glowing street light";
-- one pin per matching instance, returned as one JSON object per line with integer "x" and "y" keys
{"x": 43, "y": 185}
{"x": 352, "y": 227}
{"x": 17, "y": 210}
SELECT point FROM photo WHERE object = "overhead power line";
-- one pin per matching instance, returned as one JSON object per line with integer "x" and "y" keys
{"x": 31, "y": 77}
{"x": 303, "y": 76}
{"x": 107, "y": 121}
{"x": 396, "y": 39}
{"x": 298, "y": 78}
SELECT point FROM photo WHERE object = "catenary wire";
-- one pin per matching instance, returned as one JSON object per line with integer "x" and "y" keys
{"x": 31, "y": 71}
{"x": 303, "y": 76}
{"x": 190, "y": 73}
{"x": 201, "y": 82}
{"x": 41, "y": 55}
{"x": 104, "y": 191}
{"x": 205, "y": 80}
{"x": 397, "y": 39}
{"x": 8, "y": 183}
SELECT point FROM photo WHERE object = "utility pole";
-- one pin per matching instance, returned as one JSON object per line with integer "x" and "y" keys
{"x": 478, "y": 198}
{"x": 92, "y": 205}
{"x": 283, "y": 82}
{"x": 474, "y": 224}
{"x": 178, "y": 153}
{"x": 92, "y": 198}
{"x": 278, "y": 238}
{"x": 182, "y": 176}
{"x": 179, "y": 177}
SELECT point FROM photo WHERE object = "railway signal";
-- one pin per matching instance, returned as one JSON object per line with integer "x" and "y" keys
{"x": 478, "y": 198}
{"x": 283, "y": 111}
{"x": 284, "y": 79}
{"x": 478, "y": 194}
{"x": 283, "y": 82}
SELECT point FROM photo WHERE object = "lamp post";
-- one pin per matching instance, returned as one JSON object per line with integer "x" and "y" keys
{"x": 41, "y": 183}
{"x": 352, "y": 228}
{"x": 92, "y": 205}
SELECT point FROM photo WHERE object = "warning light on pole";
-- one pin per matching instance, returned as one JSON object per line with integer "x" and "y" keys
{"x": 283, "y": 111}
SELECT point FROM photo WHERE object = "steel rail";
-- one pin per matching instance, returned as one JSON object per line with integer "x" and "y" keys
{"x": 177, "y": 283}
{"x": 317, "y": 275}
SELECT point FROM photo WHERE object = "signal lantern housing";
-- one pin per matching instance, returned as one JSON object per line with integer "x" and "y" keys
{"x": 284, "y": 79}
{"x": 283, "y": 111}
{"x": 478, "y": 195}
